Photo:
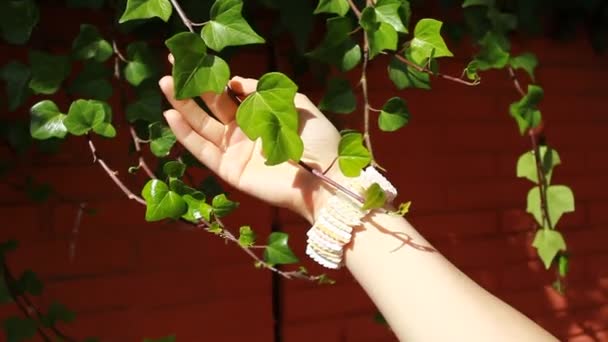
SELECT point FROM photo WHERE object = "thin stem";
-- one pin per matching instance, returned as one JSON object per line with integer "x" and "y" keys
{"x": 142, "y": 162}
{"x": 516, "y": 83}
{"x": 542, "y": 181}
{"x": 182, "y": 15}
{"x": 198, "y": 24}
{"x": 366, "y": 105}
{"x": 355, "y": 9}
{"x": 76, "y": 230}
{"x": 118, "y": 53}
{"x": 112, "y": 174}
{"x": 437, "y": 74}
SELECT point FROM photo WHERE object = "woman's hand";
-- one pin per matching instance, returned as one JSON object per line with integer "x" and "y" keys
{"x": 226, "y": 150}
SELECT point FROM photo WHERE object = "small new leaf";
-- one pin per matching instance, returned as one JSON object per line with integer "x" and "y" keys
{"x": 548, "y": 243}
{"x": 162, "y": 203}
{"x": 144, "y": 9}
{"x": 47, "y": 121}
{"x": 246, "y": 236}
{"x": 525, "y": 111}
{"x": 563, "y": 264}
{"x": 222, "y": 206}
{"x": 374, "y": 196}
{"x": 277, "y": 250}
{"x": 394, "y": 115}
{"x": 227, "y": 26}
{"x": 162, "y": 139}
{"x": 270, "y": 114}
{"x": 195, "y": 71}
{"x": 339, "y": 97}
{"x": 352, "y": 155}
{"x": 403, "y": 209}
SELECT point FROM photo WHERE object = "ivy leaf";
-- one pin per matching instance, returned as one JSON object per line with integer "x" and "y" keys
{"x": 83, "y": 115}
{"x": 18, "y": 19}
{"x": 469, "y": 3}
{"x": 92, "y": 82}
{"x": 90, "y": 45}
{"x": 142, "y": 64}
{"x": 381, "y": 35}
{"x": 197, "y": 208}
{"x": 471, "y": 70}
{"x": 147, "y": 107}
{"x": 560, "y": 200}
{"x": 427, "y": 42}
{"x": 339, "y": 7}
{"x": 270, "y": 114}
{"x": 19, "y": 329}
{"x": 162, "y": 139}
{"x": 162, "y": 203}
{"x": 492, "y": 55}
{"x": 374, "y": 196}
{"x": 17, "y": 76}
{"x": 47, "y": 121}
{"x": 548, "y": 243}
{"x": 403, "y": 209}
{"x": 222, "y": 206}
{"x": 57, "y": 313}
{"x": 525, "y": 111}
{"x": 387, "y": 11}
{"x": 29, "y": 282}
{"x": 174, "y": 168}
{"x": 337, "y": 48}
{"x": 339, "y": 97}
{"x": 394, "y": 115}
{"x": 144, "y": 9}
{"x": 526, "y": 61}
{"x": 246, "y": 236}
{"x": 526, "y": 164}
{"x": 352, "y": 155}
{"x": 405, "y": 76}
{"x": 277, "y": 250}
{"x": 48, "y": 72}
{"x": 195, "y": 71}
{"x": 227, "y": 26}
{"x": 563, "y": 264}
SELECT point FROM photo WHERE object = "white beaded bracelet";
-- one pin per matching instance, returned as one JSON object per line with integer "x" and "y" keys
{"x": 333, "y": 228}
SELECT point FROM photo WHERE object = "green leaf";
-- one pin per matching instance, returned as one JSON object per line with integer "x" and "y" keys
{"x": 525, "y": 111}
{"x": 29, "y": 282}
{"x": 83, "y": 115}
{"x": 144, "y": 9}
{"x": 492, "y": 54}
{"x": 162, "y": 203}
{"x": 162, "y": 139}
{"x": 174, "y": 169}
{"x": 47, "y": 121}
{"x": 563, "y": 264}
{"x": 215, "y": 228}
{"x": 405, "y": 76}
{"x": 339, "y": 7}
{"x": 381, "y": 35}
{"x": 17, "y": 76}
{"x": 526, "y": 164}
{"x": 57, "y": 313}
{"x": 277, "y": 250}
{"x": 471, "y": 70}
{"x": 270, "y": 114}
{"x": 48, "y": 71}
{"x": 142, "y": 64}
{"x": 19, "y": 329}
{"x": 227, "y": 26}
{"x": 469, "y": 3}
{"x": 339, "y": 97}
{"x": 147, "y": 107}
{"x": 374, "y": 196}
{"x": 548, "y": 243}
{"x": 394, "y": 115}
{"x": 246, "y": 236}
{"x": 197, "y": 208}
{"x": 90, "y": 45}
{"x": 222, "y": 206}
{"x": 18, "y": 19}
{"x": 92, "y": 82}
{"x": 560, "y": 200}
{"x": 403, "y": 209}
{"x": 427, "y": 42}
{"x": 352, "y": 155}
{"x": 337, "y": 48}
{"x": 194, "y": 70}
{"x": 526, "y": 61}
{"x": 387, "y": 11}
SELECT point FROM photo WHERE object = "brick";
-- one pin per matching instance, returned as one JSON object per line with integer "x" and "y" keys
{"x": 598, "y": 212}
{"x": 23, "y": 222}
{"x": 486, "y": 194}
{"x": 459, "y": 224}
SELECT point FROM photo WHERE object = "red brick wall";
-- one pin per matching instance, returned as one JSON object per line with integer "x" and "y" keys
{"x": 130, "y": 279}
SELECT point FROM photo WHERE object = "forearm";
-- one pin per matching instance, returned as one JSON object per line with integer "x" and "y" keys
{"x": 422, "y": 295}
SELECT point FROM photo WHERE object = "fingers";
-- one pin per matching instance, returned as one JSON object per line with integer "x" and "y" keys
{"x": 221, "y": 105}
{"x": 243, "y": 86}
{"x": 203, "y": 149}
{"x": 196, "y": 117}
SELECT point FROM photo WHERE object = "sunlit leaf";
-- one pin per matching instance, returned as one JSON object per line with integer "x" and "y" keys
{"x": 277, "y": 250}
{"x": 222, "y": 206}
{"x": 526, "y": 164}
{"x": 339, "y": 7}
{"x": 246, "y": 236}
{"x": 162, "y": 203}
{"x": 560, "y": 200}
{"x": 548, "y": 243}
{"x": 144, "y": 9}
{"x": 47, "y": 121}
{"x": 352, "y": 155}
{"x": 227, "y": 26}
{"x": 374, "y": 196}
{"x": 394, "y": 115}
{"x": 428, "y": 42}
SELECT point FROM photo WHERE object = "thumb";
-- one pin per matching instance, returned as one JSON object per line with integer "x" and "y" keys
{"x": 243, "y": 86}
